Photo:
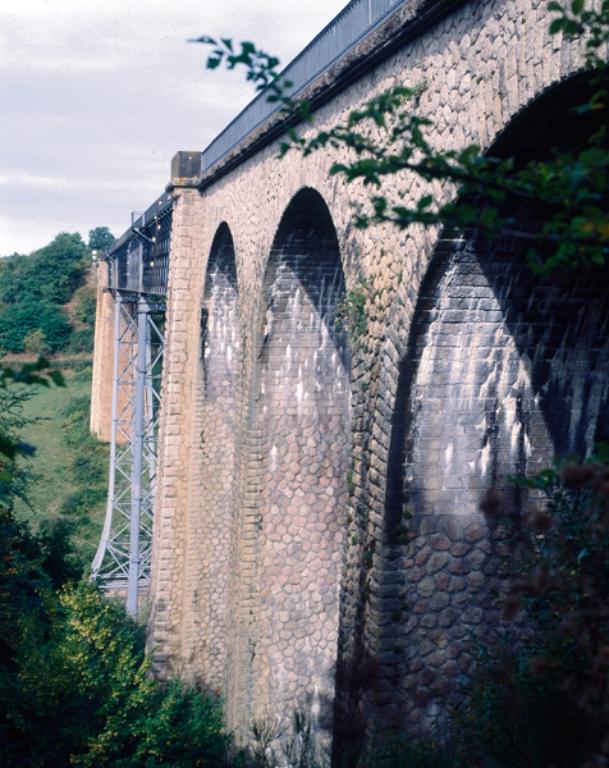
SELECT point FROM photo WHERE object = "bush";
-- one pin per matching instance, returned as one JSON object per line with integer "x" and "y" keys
{"x": 82, "y": 502}
{"x": 541, "y": 697}
{"x": 80, "y": 340}
{"x": 87, "y": 697}
{"x": 75, "y": 685}
{"x": 35, "y": 341}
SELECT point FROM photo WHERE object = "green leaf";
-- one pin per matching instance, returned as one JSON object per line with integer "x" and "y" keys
{"x": 556, "y": 25}
{"x": 8, "y": 447}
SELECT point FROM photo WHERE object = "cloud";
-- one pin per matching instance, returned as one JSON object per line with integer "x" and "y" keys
{"x": 58, "y": 182}
{"x": 97, "y": 96}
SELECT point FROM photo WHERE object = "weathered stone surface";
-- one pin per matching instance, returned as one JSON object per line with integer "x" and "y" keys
{"x": 267, "y": 577}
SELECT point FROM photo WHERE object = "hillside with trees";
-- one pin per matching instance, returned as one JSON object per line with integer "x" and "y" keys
{"x": 47, "y": 307}
{"x": 35, "y": 291}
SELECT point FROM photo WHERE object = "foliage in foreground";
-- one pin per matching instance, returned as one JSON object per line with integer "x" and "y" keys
{"x": 539, "y": 696}
{"x": 75, "y": 687}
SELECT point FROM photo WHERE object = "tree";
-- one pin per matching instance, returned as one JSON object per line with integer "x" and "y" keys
{"x": 75, "y": 685}
{"x": 35, "y": 341}
{"x": 34, "y": 288}
{"x": 100, "y": 238}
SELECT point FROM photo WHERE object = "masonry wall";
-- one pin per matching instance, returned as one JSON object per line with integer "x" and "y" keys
{"x": 461, "y": 378}
{"x": 103, "y": 356}
{"x": 209, "y": 563}
{"x": 300, "y": 412}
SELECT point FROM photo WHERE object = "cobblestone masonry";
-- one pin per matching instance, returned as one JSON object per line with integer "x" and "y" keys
{"x": 208, "y": 560}
{"x": 463, "y": 376}
{"x": 302, "y": 424}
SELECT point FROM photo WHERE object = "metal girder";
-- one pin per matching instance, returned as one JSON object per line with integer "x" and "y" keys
{"x": 122, "y": 561}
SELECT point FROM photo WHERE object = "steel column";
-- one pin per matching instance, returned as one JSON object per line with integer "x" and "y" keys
{"x": 122, "y": 561}
{"x": 137, "y": 455}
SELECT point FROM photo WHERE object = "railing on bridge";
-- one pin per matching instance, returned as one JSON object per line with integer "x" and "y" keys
{"x": 139, "y": 260}
{"x": 342, "y": 34}
{"x": 138, "y": 267}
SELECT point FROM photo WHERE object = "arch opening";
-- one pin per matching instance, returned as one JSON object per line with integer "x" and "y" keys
{"x": 503, "y": 370}
{"x": 219, "y": 317}
{"x": 209, "y": 540}
{"x": 303, "y": 417}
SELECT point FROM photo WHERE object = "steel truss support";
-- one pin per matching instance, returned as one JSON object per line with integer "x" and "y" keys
{"x": 122, "y": 561}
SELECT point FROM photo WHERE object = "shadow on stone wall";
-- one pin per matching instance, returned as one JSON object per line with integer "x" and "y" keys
{"x": 502, "y": 370}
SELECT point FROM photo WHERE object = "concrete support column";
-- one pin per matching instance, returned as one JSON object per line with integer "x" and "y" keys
{"x": 101, "y": 387}
{"x": 182, "y": 338}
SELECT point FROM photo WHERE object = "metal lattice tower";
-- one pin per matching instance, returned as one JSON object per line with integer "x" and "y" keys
{"x": 122, "y": 561}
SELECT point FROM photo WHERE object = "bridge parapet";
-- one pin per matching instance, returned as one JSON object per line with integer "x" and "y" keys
{"x": 139, "y": 260}
{"x": 345, "y": 31}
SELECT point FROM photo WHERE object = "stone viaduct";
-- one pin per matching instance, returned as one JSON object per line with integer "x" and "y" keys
{"x": 317, "y": 540}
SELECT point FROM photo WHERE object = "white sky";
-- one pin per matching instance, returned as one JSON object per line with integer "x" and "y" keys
{"x": 97, "y": 95}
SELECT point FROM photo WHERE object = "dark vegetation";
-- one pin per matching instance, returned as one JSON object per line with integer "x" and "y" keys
{"x": 75, "y": 687}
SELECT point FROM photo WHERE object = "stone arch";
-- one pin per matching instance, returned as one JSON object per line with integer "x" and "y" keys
{"x": 301, "y": 409}
{"x": 502, "y": 370}
{"x": 211, "y": 507}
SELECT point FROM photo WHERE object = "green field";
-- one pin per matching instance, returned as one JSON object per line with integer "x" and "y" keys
{"x": 69, "y": 466}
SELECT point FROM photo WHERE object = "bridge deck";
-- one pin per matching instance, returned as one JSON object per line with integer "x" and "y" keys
{"x": 140, "y": 266}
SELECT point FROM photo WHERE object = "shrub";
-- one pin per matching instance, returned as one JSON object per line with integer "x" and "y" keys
{"x": 541, "y": 697}
{"x": 89, "y": 699}
{"x": 81, "y": 340}
{"x": 82, "y": 502}
{"x": 35, "y": 341}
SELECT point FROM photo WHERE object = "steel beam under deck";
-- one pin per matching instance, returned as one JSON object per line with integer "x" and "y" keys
{"x": 123, "y": 558}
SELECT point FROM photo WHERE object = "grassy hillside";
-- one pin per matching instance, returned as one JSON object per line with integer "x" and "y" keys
{"x": 47, "y": 306}
{"x": 69, "y": 467}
